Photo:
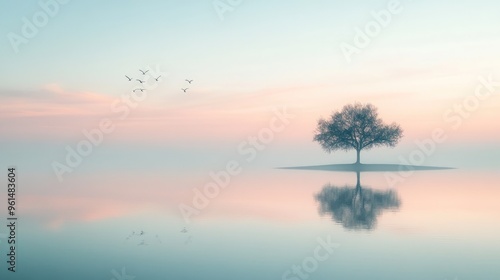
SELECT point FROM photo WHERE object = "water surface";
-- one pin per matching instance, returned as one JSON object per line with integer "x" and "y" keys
{"x": 437, "y": 224}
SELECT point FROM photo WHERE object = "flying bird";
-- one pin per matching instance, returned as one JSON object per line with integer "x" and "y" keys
{"x": 157, "y": 78}
{"x": 141, "y": 89}
{"x": 130, "y": 236}
{"x": 129, "y": 79}
{"x": 142, "y": 243}
{"x": 140, "y": 81}
{"x": 144, "y": 72}
{"x": 189, "y": 81}
{"x": 184, "y": 89}
{"x": 142, "y": 233}
{"x": 184, "y": 230}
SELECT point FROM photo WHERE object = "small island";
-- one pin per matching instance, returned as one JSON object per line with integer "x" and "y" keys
{"x": 358, "y": 127}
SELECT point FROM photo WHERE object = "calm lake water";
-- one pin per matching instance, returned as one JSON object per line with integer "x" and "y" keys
{"x": 435, "y": 225}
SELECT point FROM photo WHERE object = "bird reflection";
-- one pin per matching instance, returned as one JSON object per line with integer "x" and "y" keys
{"x": 356, "y": 207}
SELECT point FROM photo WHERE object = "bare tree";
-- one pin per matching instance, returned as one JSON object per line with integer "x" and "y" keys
{"x": 356, "y": 127}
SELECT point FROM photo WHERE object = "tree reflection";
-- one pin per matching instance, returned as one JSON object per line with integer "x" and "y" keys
{"x": 356, "y": 208}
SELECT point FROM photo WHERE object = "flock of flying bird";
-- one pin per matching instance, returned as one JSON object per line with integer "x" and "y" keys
{"x": 142, "y": 81}
{"x": 143, "y": 234}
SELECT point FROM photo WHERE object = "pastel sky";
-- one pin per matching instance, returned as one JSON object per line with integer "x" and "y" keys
{"x": 263, "y": 55}
{"x": 433, "y": 66}
{"x": 259, "y": 56}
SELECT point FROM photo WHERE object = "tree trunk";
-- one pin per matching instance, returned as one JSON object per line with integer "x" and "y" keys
{"x": 358, "y": 193}
{"x": 357, "y": 158}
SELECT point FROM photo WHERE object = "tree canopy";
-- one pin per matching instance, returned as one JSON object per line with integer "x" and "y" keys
{"x": 356, "y": 127}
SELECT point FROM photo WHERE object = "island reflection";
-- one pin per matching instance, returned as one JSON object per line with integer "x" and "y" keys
{"x": 356, "y": 207}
